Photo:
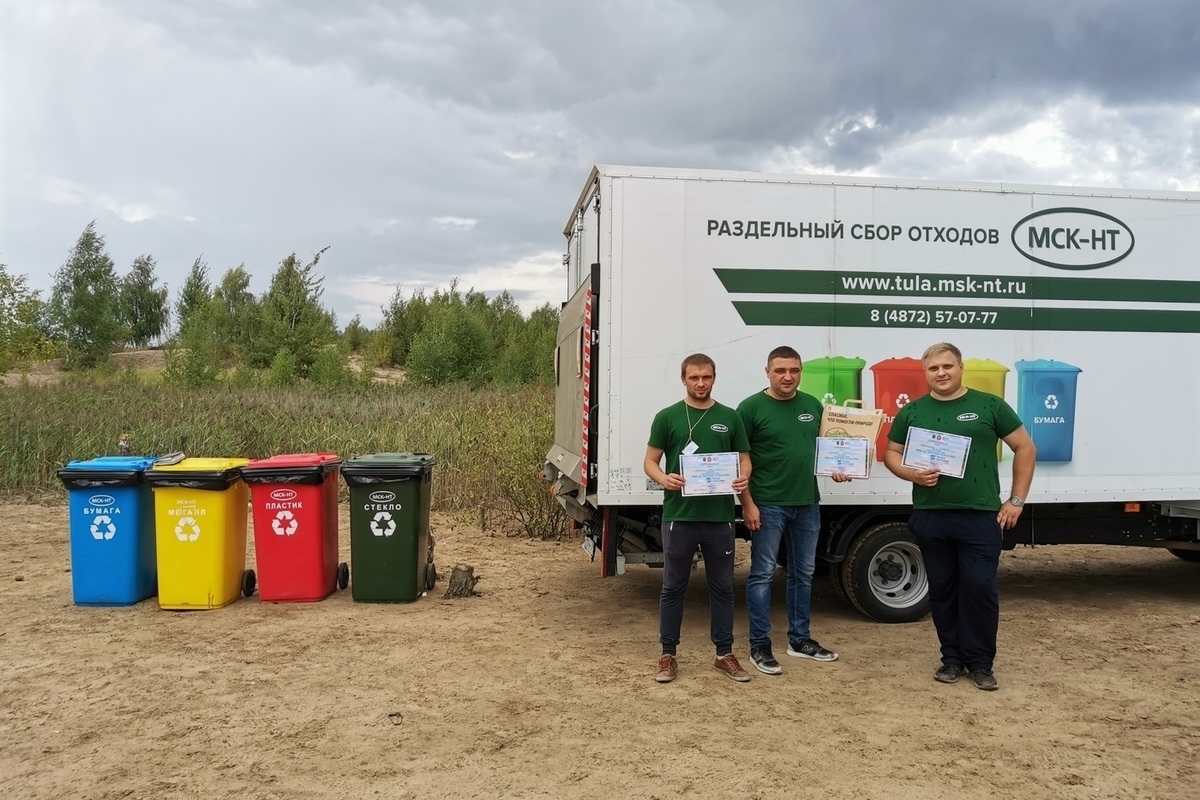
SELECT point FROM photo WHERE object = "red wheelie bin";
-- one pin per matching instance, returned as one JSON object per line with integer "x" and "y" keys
{"x": 295, "y": 502}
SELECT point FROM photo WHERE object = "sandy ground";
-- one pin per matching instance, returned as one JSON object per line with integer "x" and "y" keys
{"x": 541, "y": 687}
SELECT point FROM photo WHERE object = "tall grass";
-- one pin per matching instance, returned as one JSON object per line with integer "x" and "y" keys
{"x": 489, "y": 443}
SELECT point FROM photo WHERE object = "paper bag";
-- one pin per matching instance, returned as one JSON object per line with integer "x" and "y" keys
{"x": 851, "y": 420}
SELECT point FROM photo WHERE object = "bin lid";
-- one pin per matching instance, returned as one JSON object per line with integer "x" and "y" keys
{"x": 288, "y": 460}
{"x": 390, "y": 464}
{"x": 198, "y": 473}
{"x": 905, "y": 364}
{"x": 291, "y": 468}
{"x": 835, "y": 363}
{"x": 983, "y": 365}
{"x": 113, "y": 464}
{"x": 1046, "y": 365}
{"x": 105, "y": 471}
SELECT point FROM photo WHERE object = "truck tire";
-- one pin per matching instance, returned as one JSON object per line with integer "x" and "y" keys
{"x": 884, "y": 576}
{"x": 839, "y": 588}
{"x": 1186, "y": 555}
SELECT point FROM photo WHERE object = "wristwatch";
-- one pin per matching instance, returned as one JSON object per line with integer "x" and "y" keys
{"x": 1016, "y": 501}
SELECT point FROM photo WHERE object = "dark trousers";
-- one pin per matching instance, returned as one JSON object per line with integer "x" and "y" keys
{"x": 961, "y": 550}
{"x": 680, "y": 540}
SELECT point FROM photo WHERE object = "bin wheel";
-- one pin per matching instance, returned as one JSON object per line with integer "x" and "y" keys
{"x": 249, "y": 583}
{"x": 343, "y": 575}
{"x": 430, "y": 576}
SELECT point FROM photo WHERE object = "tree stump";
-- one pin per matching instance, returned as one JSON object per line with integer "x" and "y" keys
{"x": 462, "y": 582}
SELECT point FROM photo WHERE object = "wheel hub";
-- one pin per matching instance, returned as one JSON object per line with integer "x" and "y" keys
{"x": 889, "y": 570}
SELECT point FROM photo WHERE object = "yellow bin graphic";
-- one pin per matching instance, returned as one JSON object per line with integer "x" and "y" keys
{"x": 985, "y": 375}
{"x": 200, "y": 530}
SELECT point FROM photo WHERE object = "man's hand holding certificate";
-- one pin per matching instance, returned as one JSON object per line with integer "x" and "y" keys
{"x": 708, "y": 474}
{"x": 933, "y": 450}
{"x": 849, "y": 457}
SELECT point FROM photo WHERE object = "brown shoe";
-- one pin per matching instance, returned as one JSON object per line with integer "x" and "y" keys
{"x": 666, "y": 668}
{"x": 728, "y": 664}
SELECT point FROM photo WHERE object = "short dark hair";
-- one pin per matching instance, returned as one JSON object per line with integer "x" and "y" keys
{"x": 782, "y": 352}
{"x": 697, "y": 360}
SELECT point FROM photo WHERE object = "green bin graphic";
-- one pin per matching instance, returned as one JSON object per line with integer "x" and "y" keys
{"x": 833, "y": 380}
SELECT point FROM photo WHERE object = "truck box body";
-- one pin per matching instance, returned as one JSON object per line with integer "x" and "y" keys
{"x": 1080, "y": 306}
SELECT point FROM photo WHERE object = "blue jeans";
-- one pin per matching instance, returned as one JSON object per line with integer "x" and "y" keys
{"x": 802, "y": 526}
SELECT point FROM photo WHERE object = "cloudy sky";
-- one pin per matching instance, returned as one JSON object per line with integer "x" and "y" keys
{"x": 423, "y": 141}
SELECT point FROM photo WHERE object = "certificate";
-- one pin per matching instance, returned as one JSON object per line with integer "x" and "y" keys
{"x": 945, "y": 452}
{"x": 850, "y": 456}
{"x": 708, "y": 474}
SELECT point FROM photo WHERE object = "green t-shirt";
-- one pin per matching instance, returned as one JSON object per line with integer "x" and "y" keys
{"x": 716, "y": 429}
{"x": 982, "y": 416}
{"x": 783, "y": 448}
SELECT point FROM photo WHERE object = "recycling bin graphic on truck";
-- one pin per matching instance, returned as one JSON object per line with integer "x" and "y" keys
{"x": 833, "y": 380}
{"x": 898, "y": 381}
{"x": 1046, "y": 396}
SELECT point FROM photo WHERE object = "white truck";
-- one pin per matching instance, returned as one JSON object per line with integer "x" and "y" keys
{"x": 1080, "y": 306}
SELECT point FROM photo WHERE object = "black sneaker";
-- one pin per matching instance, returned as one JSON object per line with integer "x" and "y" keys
{"x": 984, "y": 679}
{"x": 763, "y": 659}
{"x": 949, "y": 673}
{"x": 810, "y": 649}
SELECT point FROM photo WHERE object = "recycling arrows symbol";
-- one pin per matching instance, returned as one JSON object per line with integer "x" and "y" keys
{"x": 103, "y": 527}
{"x": 901, "y": 400}
{"x": 187, "y": 530}
{"x": 383, "y": 524}
{"x": 829, "y": 398}
{"x": 284, "y": 523}
{"x": 1051, "y": 402}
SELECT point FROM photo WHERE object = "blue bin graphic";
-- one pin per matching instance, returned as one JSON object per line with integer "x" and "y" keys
{"x": 112, "y": 530}
{"x": 1046, "y": 397}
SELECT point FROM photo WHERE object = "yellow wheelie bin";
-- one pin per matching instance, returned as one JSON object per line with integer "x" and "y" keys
{"x": 200, "y": 532}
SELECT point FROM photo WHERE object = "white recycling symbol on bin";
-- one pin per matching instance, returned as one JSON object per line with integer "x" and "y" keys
{"x": 383, "y": 524}
{"x": 103, "y": 527}
{"x": 187, "y": 530}
{"x": 901, "y": 400}
{"x": 829, "y": 398}
{"x": 1051, "y": 401}
{"x": 285, "y": 523}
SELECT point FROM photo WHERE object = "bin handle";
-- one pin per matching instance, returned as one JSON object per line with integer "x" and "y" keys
{"x": 170, "y": 458}
{"x": 853, "y": 402}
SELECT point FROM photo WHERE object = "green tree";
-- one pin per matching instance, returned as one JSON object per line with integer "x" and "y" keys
{"x": 145, "y": 311}
{"x": 528, "y": 355}
{"x": 84, "y": 304}
{"x": 24, "y": 334}
{"x": 235, "y": 313}
{"x": 355, "y": 336}
{"x": 194, "y": 295}
{"x": 402, "y": 321}
{"x": 453, "y": 345}
{"x": 292, "y": 317}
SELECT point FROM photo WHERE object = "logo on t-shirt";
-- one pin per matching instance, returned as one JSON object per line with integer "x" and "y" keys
{"x": 806, "y": 417}
{"x": 719, "y": 428}
{"x": 968, "y": 417}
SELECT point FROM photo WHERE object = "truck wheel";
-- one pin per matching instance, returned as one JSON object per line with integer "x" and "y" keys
{"x": 839, "y": 588}
{"x": 1186, "y": 555}
{"x": 884, "y": 575}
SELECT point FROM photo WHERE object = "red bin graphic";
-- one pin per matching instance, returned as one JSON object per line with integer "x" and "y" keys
{"x": 898, "y": 381}
{"x": 294, "y": 498}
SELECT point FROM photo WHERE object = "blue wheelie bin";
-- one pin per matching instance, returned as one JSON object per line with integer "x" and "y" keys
{"x": 112, "y": 530}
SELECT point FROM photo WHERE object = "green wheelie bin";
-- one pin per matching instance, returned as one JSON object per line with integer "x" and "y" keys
{"x": 390, "y": 550}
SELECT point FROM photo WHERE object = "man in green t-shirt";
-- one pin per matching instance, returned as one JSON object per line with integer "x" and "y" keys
{"x": 696, "y": 425}
{"x": 958, "y": 522}
{"x": 781, "y": 501}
